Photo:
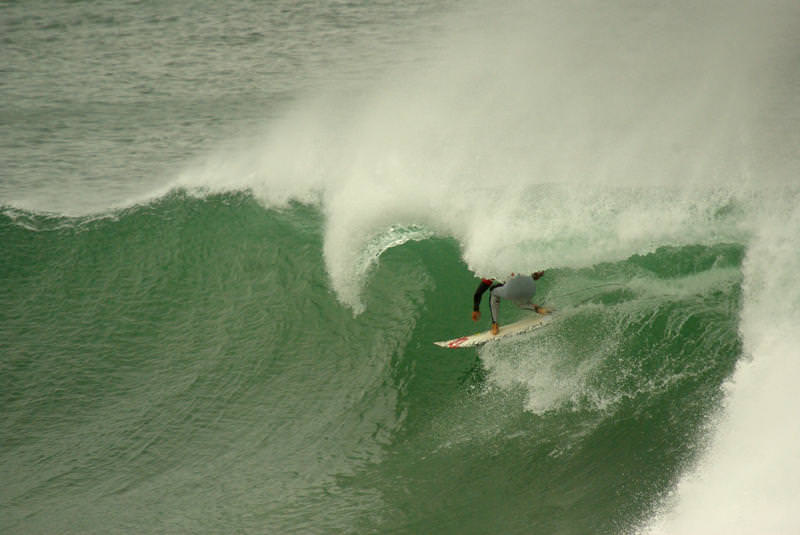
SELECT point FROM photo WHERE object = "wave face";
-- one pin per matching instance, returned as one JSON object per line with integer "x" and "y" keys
{"x": 223, "y": 271}
{"x": 187, "y": 361}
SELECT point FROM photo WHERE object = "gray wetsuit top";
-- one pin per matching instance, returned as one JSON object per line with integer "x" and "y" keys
{"x": 519, "y": 289}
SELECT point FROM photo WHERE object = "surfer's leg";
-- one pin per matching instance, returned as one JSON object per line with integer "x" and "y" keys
{"x": 494, "y": 305}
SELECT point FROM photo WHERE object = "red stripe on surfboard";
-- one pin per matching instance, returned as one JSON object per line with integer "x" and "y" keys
{"x": 458, "y": 341}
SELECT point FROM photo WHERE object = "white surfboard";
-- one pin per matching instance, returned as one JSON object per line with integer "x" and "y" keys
{"x": 524, "y": 325}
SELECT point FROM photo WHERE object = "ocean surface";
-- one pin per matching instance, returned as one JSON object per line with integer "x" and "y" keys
{"x": 230, "y": 233}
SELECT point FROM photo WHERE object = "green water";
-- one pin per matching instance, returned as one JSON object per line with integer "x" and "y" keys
{"x": 186, "y": 363}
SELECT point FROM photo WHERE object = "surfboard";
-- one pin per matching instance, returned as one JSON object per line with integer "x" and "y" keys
{"x": 524, "y": 325}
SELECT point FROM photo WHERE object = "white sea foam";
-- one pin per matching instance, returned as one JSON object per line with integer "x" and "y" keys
{"x": 552, "y": 382}
{"x": 749, "y": 479}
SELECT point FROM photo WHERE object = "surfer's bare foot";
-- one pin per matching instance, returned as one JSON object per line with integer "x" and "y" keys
{"x": 541, "y": 310}
{"x": 495, "y": 328}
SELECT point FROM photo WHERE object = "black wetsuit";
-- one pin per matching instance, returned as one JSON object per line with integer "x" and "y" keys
{"x": 485, "y": 284}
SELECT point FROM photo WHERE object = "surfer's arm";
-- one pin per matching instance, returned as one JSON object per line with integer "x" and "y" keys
{"x": 476, "y": 299}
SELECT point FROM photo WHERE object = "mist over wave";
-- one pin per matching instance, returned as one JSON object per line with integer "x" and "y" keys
{"x": 541, "y": 135}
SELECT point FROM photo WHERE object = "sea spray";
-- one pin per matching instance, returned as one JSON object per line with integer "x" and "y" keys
{"x": 748, "y": 480}
{"x": 551, "y": 145}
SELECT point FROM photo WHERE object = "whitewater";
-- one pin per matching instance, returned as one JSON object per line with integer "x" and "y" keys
{"x": 301, "y": 237}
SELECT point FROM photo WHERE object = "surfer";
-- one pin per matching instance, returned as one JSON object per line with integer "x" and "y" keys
{"x": 519, "y": 289}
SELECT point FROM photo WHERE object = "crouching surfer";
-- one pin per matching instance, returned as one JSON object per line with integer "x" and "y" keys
{"x": 519, "y": 289}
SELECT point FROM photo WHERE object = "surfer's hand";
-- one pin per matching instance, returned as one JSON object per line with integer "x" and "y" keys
{"x": 476, "y": 315}
{"x": 538, "y": 275}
